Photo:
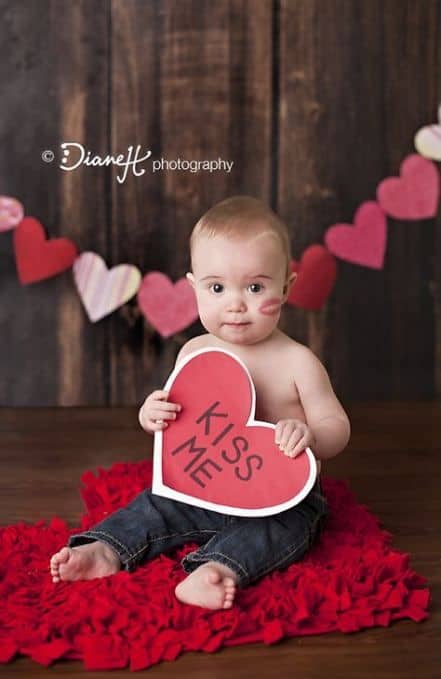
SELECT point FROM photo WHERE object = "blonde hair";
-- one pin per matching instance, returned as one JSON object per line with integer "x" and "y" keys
{"x": 242, "y": 216}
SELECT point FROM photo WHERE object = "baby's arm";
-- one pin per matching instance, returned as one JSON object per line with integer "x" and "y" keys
{"x": 323, "y": 411}
{"x": 157, "y": 409}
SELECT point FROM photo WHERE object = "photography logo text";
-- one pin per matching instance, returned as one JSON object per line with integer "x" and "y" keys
{"x": 134, "y": 160}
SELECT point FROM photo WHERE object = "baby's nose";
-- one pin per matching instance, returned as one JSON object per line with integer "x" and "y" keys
{"x": 236, "y": 303}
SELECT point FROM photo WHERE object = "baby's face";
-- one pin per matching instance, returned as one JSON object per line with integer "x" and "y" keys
{"x": 239, "y": 286}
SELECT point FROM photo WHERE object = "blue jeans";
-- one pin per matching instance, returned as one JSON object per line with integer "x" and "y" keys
{"x": 250, "y": 546}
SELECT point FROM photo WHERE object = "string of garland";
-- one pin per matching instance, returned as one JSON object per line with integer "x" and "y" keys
{"x": 171, "y": 307}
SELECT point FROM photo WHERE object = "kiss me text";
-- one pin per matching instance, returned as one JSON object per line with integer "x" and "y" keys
{"x": 202, "y": 464}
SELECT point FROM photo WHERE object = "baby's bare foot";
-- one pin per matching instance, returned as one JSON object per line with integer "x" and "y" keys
{"x": 92, "y": 560}
{"x": 210, "y": 586}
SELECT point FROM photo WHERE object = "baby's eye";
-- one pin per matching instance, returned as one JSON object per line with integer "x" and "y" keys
{"x": 216, "y": 287}
{"x": 255, "y": 287}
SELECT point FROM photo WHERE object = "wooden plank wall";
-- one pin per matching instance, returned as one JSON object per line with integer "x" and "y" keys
{"x": 315, "y": 101}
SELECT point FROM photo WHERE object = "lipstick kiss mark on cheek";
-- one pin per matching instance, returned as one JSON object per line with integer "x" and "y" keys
{"x": 271, "y": 306}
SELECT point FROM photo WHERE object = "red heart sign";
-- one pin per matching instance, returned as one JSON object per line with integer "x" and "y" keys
{"x": 38, "y": 258}
{"x": 215, "y": 454}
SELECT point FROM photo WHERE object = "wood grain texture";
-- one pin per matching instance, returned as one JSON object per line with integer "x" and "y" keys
{"x": 81, "y": 74}
{"x": 45, "y": 452}
{"x": 314, "y": 101}
{"x": 53, "y": 73}
{"x": 190, "y": 81}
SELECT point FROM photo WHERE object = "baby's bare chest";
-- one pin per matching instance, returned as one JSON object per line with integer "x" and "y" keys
{"x": 273, "y": 371}
{"x": 277, "y": 396}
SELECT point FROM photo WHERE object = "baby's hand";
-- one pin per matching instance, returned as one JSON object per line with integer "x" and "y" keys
{"x": 293, "y": 436}
{"x": 155, "y": 410}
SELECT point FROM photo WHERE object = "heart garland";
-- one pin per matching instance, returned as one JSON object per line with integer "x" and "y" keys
{"x": 170, "y": 307}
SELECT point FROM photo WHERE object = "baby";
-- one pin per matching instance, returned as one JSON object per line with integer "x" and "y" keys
{"x": 241, "y": 275}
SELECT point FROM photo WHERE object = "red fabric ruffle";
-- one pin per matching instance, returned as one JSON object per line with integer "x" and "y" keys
{"x": 351, "y": 580}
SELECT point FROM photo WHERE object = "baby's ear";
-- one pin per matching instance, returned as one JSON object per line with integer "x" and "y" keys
{"x": 189, "y": 276}
{"x": 288, "y": 285}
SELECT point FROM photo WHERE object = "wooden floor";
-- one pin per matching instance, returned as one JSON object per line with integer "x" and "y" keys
{"x": 393, "y": 464}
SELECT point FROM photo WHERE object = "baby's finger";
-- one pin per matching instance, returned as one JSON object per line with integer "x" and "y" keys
{"x": 294, "y": 439}
{"x": 287, "y": 434}
{"x": 158, "y": 395}
{"x": 157, "y": 425}
{"x": 167, "y": 406}
{"x": 159, "y": 414}
{"x": 278, "y": 431}
{"x": 300, "y": 447}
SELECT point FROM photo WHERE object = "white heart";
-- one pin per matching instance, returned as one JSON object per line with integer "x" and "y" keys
{"x": 428, "y": 140}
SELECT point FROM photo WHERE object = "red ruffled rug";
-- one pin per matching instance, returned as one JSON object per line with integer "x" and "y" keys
{"x": 351, "y": 580}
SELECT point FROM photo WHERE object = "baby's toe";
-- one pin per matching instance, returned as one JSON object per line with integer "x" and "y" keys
{"x": 57, "y": 560}
{"x": 229, "y": 592}
{"x": 213, "y": 577}
{"x": 55, "y": 572}
{"x": 61, "y": 557}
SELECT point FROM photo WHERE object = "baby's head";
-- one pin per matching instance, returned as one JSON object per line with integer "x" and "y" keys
{"x": 242, "y": 218}
{"x": 240, "y": 256}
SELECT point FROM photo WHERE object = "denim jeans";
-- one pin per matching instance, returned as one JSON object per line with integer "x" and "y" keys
{"x": 250, "y": 546}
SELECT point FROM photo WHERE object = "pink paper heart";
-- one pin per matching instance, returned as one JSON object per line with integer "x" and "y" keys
{"x": 168, "y": 307}
{"x": 215, "y": 454}
{"x": 362, "y": 243}
{"x": 103, "y": 290}
{"x": 11, "y": 213}
{"x": 415, "y": 194}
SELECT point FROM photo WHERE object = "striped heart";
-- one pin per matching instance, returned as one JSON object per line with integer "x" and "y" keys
{"x": 103, "y": 290}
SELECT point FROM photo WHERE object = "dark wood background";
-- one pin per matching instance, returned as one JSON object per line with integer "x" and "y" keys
{"x": 315, "y": 101}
